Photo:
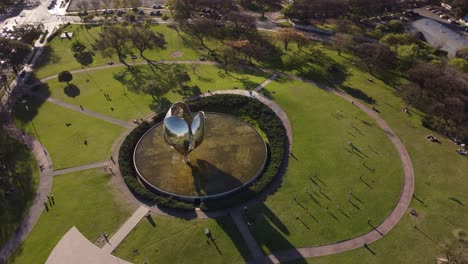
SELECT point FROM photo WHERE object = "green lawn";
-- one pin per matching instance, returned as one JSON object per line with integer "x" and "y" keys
{"x": 92, "y": 85}
{"x": 83, "y": 199}
{"x": 47, "y": 122}
{"x": 58, "y": 55}
{"x": 174, "y": 240}
{"x": 21, "y": 175}
{"x": 323, "y": 125}
{"x": 440, "y": 186}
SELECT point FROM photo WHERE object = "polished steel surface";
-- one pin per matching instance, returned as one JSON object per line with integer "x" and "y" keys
{"x": 182, "y": 131}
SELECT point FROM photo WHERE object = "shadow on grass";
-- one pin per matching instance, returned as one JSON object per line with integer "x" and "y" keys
{"x": 27, "y": 107}
{"x": 71, "y": 90}
{"x": 48, "y": 56}
{"x": 16, "y": 185}
{"x": 358, "y": 94}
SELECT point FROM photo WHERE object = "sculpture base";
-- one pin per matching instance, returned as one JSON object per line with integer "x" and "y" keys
{"x": 232, "y": 156}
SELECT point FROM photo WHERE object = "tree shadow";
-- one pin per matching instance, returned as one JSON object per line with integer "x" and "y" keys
{"x": 71, "y": 90}
{"x": 48, "y": 56}
{"x": 16, "y": 184}
{"x": 27, "y": 107}
{"x": 356, "y": 93}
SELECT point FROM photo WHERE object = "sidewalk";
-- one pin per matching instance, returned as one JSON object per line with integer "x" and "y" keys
{"x": 125, "y": 229}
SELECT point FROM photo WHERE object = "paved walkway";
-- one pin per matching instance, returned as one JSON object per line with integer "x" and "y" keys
{"x": 265, "y": 83}
{"x": 74, "y": 248}
{"x": 389, "y": 223}
{"x": 84, "y": 111}
{"x": 288, "y": 255}
{"x": 249, "y": 240}
{"x": 83, "y": 167}
{"x": 43, "y": 189}
{"x": 125, "y": 229}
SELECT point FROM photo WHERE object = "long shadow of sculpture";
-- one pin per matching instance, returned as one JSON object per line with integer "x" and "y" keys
{"x": 271, "y": 223}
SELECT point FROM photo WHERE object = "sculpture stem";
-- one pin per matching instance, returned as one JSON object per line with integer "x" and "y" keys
{"x": 186, "y": 159}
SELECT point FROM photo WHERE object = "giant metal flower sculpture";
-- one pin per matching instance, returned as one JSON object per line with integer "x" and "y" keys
{"x": 182, "y": 131}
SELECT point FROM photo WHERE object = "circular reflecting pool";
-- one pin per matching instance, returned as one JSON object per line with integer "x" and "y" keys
{"x": 232, "y": 155}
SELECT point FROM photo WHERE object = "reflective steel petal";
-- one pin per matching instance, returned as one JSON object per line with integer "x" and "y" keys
{"x": 180, "y": 109}
{"x": 177, "y": 134}
{"x": 198, "y": 129}
{"x": 183, "y": 132}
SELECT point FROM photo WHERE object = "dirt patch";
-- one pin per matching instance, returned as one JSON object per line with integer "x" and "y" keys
{"x": 177, "y": 54}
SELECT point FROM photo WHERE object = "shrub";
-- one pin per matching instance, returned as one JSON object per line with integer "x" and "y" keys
{"x": 248, "y": 109}
{"x": 243, "y": 107}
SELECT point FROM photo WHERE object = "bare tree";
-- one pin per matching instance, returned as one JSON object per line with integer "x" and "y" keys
{"x": 83, "y": 5}
{"x": 96, "y": 4}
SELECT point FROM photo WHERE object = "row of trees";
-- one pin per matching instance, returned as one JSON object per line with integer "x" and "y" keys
{"x": 14, "y": 52}
{"x": 459, "y": 7}
{"x": 305, "y": 10}
{"x": 107, "y": 4}
{"x": 122, "y": 40}
{"x": 442, "y": 93}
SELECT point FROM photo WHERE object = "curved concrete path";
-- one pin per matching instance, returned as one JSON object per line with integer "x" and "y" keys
{"x": 389, "y": 223}
{"x": 43, "y": 189}
{"x": 289, "y": 255}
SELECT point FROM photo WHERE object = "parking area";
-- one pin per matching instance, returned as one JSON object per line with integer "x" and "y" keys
{"x": 435, "y": 14}
{"x": 146, "y": 3}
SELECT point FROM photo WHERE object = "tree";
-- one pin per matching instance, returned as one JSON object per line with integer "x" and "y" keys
{"x": 462, "y": 53}
{"x": 343, "y": 42}
{"x": 116, "y": 4}
{"x": 112, "y": 39}
{"x": 287, "y": 35}
{"x": 240, "y": 24}
{"x": 106, "y": 3}
{"x": 83, "y": 5}
{"x": 14, "y": 52}
{"x": 375, "y": 55}
{"x": 460, "y": 8}
{"x": 266, "y": 5}
{"x": 143, "y": 38}
{"x": 96, "y": 4}
{"x": 156, "y": 90}
{"x": 81, "y": 54}
{"x": 65, "y": 76}
{"x": 134, "y": 4}
{"x": 29, "y": 33}
{"x": 460, "y": 64}
{"x": 201, "y": 28}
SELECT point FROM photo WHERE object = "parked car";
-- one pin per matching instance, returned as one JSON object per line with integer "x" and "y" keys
{"x": 430, "y": 8}
{"x": 141, "y": 12}
{"x": 155, "y": 13}
{"x": 444, "y": 16}
{"x": 157, "y": 7}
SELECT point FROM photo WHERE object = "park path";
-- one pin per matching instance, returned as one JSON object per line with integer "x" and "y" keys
{"x": 249, "y": 240}
{"x": 43, "y": 190}
{"x": 265, "y": 83}
{"x": 85, "y": 111}
{"x": 118, "y": 65}
{"x": 293, "y": 254}
{"x": 124, "y": 230}
{"x": 82, "y": 167}
{"x": 392, "y": 219}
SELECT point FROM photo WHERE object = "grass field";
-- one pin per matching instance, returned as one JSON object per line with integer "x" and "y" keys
{"x": 47, "y": 122}
{"x": 22, "y": 175}
{"x": 369, "y": 173}
{"x": 58, "y": 55}
{"x": 83, "y": 199}
{"x": 323, "y": 125}
{"x": 92, "y": 85}
{"x": 440, "y": 188}
{"x": 174, "y": 240}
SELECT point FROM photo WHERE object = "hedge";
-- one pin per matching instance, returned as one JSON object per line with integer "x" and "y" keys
{"x": 240, "y": 106}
